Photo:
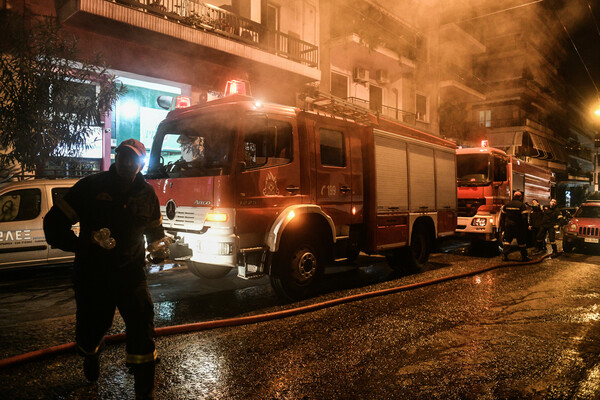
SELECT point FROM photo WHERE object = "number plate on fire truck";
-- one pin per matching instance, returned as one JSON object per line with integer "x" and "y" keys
{"x": 592, "y": 240}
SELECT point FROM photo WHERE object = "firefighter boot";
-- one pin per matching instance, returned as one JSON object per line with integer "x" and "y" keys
{"x": 554, "y": 251}
{"x": 144, "y": 381}
{"x": 540, "y": 248}
{"x": 505, "y": 250}
{"x": 91, "y": 367}
{"x": 523, "y": 251}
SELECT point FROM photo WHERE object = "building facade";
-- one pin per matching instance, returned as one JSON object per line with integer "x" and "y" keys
{"x": 464, "y": 70}
{"x": 181, "y": 47}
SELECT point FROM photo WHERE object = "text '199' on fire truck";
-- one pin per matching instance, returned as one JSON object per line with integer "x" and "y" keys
{"x": 270, "y": 189}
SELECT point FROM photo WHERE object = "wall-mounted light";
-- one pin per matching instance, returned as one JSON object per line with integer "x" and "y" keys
{"x": 129, "y": 109}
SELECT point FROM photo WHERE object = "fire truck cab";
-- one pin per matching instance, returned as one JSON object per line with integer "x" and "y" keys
{"x": 486, "y": 179}
{"x": 277, "y": 190}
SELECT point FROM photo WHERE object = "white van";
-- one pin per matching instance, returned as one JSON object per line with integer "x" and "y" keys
{"x": 23, "y": 206}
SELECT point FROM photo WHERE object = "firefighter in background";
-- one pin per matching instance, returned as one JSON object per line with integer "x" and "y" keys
{"x": 552, "y": 219}
{"x": 115, "y": 209}
{"x": 535, "y": 222}
{"x": 513, "y": 220}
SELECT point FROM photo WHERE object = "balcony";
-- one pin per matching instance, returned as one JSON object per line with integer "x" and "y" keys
{"x": 217, "y": 31}
{"x": 385, "y": 111}
{"x": 461, "y": 41}
{"x": 366, "y": 35}
{"x": 460, "y": 84}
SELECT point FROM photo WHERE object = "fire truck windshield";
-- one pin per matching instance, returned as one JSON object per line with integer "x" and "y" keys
{"x": 193, "y": 146}
{"x": 473, "y": 169}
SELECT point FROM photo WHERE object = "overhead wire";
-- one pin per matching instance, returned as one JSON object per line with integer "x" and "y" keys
{"x": 593, "y": 18}
{"x": 587, "y": 70}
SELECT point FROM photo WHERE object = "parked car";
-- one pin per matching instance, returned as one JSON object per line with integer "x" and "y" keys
{"x": 23, "y": 206}
{"x": 584, "y": 228}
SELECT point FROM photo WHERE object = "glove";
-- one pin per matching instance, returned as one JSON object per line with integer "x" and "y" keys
{"x": 102, "y": 238}
{"x": 555, "y": 226}
{"x": 159, "y": 250}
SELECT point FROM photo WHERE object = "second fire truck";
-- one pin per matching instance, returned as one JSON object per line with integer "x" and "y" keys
{"x": 278, "y": 190}
{"x": 487, "y": 178}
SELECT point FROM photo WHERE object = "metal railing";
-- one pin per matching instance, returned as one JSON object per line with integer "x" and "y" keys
{"x": 385, "y": 111}
{"x": 217, "y": 20}
{"x": 450, "y": 71}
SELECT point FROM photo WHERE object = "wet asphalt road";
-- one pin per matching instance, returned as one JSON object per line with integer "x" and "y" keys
{"x": 516, "y": 332}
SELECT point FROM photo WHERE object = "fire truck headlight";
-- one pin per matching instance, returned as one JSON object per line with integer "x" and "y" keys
{"x": 217, "y": 217}
{"x": 479, "y": 222}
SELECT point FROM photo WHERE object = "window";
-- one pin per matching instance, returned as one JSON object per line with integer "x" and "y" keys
{"x": 20, "y": 205}
{"x": 421, "y": 107}
{"x": 267, "y": 143}
{"x": 339, "y": 85}
{"x": 194, "y": 146}
{"x": 272, "y": 17}
{"x": 500, "y": 165}
{"x": 332, "y": 148}
{"x": 485, "y": 118}
{"x": 375, "y": 98}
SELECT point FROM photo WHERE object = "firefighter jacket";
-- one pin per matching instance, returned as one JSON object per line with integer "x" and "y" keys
{"x": 536, "y": 216}
{"x": 552, "y": 217}
{"x": 514, "y": 214}
{"x": 96, "y": 202}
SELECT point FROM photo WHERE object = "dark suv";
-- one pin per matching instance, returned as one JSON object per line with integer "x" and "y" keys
{"x": 584, "y": 228}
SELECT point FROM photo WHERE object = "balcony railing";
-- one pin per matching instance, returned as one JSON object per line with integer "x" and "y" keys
{"x": 453, "y": 72}
{"x": 385, "y": 111}
{"x": 510, "y": 122}
{"x": 222, "y": 22}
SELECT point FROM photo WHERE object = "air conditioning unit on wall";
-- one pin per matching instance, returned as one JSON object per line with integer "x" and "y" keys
{"x": 360, "y": 75}
{"x": 381, "y": 75}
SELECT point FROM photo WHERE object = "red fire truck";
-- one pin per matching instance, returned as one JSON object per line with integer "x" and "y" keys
{"x": 486, "y": 179}
{"x": 278, "y": 190}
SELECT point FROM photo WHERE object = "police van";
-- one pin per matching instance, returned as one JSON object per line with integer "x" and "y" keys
{"x": 23, "y": 206}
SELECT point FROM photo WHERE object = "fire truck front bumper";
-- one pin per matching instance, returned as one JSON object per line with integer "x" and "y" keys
{"x": 219, "y": 250}
{"x": 478, "y": 227}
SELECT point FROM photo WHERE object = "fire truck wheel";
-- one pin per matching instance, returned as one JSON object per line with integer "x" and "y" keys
{"x": 297, "y": 268}
{"x": 411, "y": 259}
{"x": 419, "y": 250}
{"x": 206, "y": 271}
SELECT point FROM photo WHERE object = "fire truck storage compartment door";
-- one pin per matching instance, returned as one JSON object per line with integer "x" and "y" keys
{"x": 518, "y": 182}
{"x": 421, "y": 177}
{"x": 390, "y": 165}
{"x": 445, "y": 179}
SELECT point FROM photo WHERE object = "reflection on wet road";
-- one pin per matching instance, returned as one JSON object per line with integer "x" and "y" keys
{"x": 517, "y": 332}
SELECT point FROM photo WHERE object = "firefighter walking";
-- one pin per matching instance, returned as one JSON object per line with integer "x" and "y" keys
{"x": 513, "y": 220}
{"x": 551, "y": 221}
{"x": 114, "y": 209}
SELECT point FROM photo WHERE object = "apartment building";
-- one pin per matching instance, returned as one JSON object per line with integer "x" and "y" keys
{"x": 376, "y": 56}
{"x": 527, "y": 107}
{"x": 186, "y": 47}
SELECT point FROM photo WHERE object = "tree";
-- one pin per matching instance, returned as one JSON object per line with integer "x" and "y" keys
{"x": 50, "y": 96}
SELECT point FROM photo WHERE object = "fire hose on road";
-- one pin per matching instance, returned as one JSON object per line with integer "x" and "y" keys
{"x": 251, "y": 319}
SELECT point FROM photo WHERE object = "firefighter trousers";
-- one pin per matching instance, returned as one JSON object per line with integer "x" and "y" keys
{"x": 551, "y": 237}
{"x": 97, "y": 297}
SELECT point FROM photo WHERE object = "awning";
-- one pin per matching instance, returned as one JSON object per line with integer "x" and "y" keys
{"x": 558, "y": 152}
{"x": 542, "y": 145}
{"x": 505, "y": 139}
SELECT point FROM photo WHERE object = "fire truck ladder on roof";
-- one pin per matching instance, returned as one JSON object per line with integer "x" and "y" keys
{"x": 326, "y": 103}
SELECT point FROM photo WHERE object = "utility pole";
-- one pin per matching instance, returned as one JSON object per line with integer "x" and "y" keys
{"x": 597, "y": 163}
